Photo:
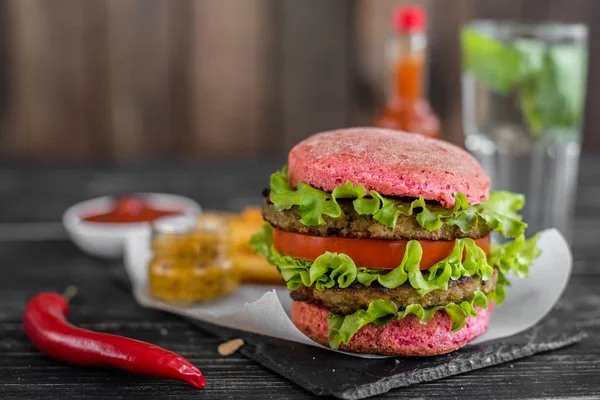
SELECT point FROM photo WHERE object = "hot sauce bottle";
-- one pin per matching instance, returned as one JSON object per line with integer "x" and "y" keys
{"x": 407, "y": 108}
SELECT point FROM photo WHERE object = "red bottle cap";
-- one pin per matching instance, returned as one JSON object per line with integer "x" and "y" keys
{"x": 409, "y": 19}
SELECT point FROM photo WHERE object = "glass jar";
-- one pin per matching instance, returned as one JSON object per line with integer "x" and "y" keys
{"x": 192, "y": 261}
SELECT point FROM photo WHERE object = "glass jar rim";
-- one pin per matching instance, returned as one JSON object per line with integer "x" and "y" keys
{"x": 550, "y": 32}
{"x": 174, "y": 224}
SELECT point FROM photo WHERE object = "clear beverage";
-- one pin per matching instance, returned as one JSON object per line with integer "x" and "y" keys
{"x": 523, "y": 90}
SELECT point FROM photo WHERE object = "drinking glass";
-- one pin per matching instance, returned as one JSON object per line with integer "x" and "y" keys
{"x": 523, "y": 91}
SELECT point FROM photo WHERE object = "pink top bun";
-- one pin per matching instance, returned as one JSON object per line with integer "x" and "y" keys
{"x": 393, "y": 163}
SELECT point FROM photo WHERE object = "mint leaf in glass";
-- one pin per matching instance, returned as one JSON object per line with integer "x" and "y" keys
{"x": 548, "y": 79}
{"x": 571, "y": 69}
{"x": 496, "y": 65}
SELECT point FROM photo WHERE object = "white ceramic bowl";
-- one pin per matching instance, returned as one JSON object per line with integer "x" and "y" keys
{"x": 106, "y": 240}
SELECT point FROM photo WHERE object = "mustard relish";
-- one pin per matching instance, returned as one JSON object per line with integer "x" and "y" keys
{"x": 192, "y": 259}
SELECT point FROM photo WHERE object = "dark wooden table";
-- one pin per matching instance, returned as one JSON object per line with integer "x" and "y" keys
{"x": 35, "y": 255}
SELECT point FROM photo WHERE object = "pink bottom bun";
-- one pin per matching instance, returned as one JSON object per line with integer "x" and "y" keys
{"x": 405, "y": 337}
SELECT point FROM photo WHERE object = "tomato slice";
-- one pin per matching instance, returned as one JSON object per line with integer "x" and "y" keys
{"x": 371, "y": 253}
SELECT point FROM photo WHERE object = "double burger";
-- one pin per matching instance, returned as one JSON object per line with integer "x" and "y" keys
{"x": 383, "y": 239}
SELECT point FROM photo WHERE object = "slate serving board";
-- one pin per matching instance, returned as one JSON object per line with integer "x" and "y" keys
{"x": 326, "y": 373}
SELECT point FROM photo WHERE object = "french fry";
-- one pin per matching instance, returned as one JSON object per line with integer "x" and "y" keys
{"x": 252, "y": 267}
{"x": 253, "y": 214}
{"x": 241, "y": 232}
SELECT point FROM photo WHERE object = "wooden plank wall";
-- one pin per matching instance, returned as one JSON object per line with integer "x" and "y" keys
{"x": 163, "y": 79}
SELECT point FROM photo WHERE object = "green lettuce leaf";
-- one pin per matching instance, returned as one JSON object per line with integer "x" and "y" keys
{"x": 498, "y": 295}
{"x": 462, "y": 214}
{"x": 262, "y": 242}
{"x": 381, "y": 312}
{"x": 333, "y": 269}
{"x": 515, "y": 256}
{"x": 499, "y": 212}
{"x": 312, "y": 203}
{"x": 512, "y": 257}
{"x": 391, "y": 209}
{"x": 343, "y": 327}
{"x": 325, "y": 272}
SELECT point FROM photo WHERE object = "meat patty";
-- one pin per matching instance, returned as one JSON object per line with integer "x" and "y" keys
{"x": 357, "y": 296}
{"x": 351, "y": 224}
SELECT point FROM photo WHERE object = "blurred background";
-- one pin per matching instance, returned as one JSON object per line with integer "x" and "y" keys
{"x": 129, "y": 80}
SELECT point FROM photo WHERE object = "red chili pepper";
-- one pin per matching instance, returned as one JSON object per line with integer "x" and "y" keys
{"x": 45, "y": 323}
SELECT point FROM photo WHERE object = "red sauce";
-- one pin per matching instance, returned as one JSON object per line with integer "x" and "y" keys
{"x": 130, "y": 210}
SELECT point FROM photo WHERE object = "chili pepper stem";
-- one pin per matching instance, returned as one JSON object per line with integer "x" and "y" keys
{"x": 69, "y": 293}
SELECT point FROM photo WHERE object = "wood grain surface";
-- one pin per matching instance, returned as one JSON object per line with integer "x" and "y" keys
{"x": 37, "y": 257}
{"x": 161, "y": 79}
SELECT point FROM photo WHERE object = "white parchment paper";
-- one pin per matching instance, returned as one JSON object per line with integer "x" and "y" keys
{"x": 265, "y": 310}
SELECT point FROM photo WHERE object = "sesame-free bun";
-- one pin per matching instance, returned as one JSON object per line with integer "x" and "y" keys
{"x": 404, "y": 337}
{"x": 393, "y": 163}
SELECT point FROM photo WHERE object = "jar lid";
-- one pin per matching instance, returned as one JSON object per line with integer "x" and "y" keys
{"x": 174, "y": 224}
